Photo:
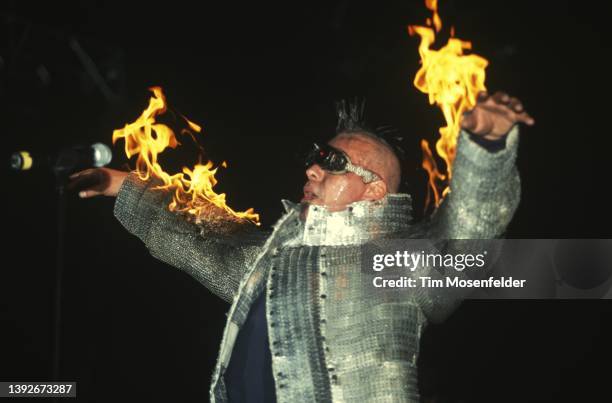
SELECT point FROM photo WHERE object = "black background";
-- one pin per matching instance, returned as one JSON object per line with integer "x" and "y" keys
{"x": 262, "y": 79}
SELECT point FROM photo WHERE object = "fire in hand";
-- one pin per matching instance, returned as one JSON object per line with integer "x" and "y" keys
{"x": 192, "y": 189}
{"x": 452, "y": 80}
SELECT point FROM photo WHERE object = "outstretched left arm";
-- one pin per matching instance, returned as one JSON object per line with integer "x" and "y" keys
{"x": 485, "y": 188}
{"x": 484, "y": 192}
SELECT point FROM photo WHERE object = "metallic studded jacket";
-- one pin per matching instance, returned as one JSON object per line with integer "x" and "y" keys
{"x": 331, "y": 338}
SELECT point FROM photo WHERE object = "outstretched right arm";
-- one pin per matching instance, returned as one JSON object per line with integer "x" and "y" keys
{"x": 208, "y": 252}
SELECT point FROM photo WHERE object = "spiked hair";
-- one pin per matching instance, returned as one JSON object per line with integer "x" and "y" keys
{"x": 351, "y": 116}
{"x": 351, "y": 119}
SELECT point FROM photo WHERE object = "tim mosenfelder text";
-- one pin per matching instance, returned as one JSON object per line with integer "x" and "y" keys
{"x": 458, "y": 262}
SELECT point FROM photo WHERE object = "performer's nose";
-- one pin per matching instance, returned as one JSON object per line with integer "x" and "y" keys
{"x": 315, "y": 173}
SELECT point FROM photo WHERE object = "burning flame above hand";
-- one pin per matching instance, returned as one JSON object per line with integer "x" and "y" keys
{"x": 193, "y": 188}
{"x": 452, "y": 80}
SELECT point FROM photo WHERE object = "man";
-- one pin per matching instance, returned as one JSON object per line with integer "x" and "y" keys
{"x": 301, "y": 326}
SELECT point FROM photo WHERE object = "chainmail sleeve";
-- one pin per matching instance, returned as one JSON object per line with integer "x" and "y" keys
{"x": 484, "y": 192}
{"x": 215, "y": 253}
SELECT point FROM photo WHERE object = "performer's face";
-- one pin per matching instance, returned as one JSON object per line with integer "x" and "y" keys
{"x": 337, "y": 191}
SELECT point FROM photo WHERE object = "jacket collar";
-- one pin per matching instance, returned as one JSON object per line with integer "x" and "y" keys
{"x": 358, "y": 223}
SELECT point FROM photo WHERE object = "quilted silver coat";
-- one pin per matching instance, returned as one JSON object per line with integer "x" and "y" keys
{"x": 331, "y": 339}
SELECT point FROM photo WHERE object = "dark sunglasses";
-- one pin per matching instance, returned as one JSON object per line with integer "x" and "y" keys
{"x": 336, "y": 162}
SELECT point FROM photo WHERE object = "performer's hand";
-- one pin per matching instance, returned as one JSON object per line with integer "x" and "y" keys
{"x": 97, "y": 181}
{"x": 493, "y": 116}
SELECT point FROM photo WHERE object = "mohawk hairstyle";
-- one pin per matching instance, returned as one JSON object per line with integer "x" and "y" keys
{"x": 351, "y": 119}
{"x": 350, "y": 115}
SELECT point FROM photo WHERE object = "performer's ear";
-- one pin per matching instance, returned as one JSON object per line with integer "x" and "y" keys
{"x": 375, "y": 190}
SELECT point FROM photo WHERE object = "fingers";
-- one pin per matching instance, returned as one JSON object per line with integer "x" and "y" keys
{"x": 469, "y": 121}
{"x": 89, "y": 182}
{"x": 525, "y": 118}
{"x": 512, "y": 103}
{"x": 515, "y": 105}
{"x": 503, "y": 100}
{"x": 85, "y": 194}
{"x": 81, "y": 173}
{"x": 500, "y": 98}
{"x": 482, "y": 97}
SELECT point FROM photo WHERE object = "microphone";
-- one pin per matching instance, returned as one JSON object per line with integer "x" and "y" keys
{"x": 66, "y": 160}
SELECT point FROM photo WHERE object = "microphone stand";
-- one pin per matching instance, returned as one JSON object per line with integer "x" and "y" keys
{"x": 61, "y": 175}
{"x": 66, "y": 162}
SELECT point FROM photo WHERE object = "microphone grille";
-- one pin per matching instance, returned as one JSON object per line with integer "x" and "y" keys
{"x": 102, "y": 155}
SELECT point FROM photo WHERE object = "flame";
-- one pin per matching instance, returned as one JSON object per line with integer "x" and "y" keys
{"x": 452, "y": 80}
{"x": 433, "y": 6}
{"x": 193, "y": 188}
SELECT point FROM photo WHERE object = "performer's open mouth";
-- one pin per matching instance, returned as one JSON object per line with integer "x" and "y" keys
{"x": 309, "y": 195}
